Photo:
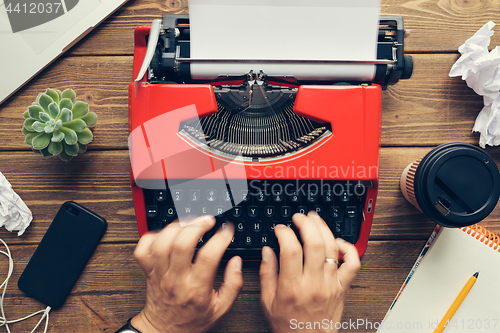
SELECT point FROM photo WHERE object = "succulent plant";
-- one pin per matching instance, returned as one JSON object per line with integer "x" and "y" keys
{"x": 57, "y": 125}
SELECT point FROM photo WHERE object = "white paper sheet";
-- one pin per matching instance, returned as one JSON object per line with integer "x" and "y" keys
{"x": 481, "y": 70}
{"x": 14, "y": 214}
{"x": 284, "y": 30}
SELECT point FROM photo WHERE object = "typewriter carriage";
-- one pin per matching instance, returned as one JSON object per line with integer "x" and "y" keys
{"x": 172, "y": 63}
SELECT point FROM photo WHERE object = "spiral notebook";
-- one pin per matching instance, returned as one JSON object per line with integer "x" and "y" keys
{"x": 448, "y": 260}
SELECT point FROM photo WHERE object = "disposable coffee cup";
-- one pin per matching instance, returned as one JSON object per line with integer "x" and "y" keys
{"x": 455, "y": 185}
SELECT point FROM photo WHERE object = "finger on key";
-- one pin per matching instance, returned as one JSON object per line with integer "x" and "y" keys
{"x": 314, "y": 245}
{"x": 351, "y": 265}
{"x": 291, "y": 256}
{"x": 209, "y": 256}
{"x": 161, "y": 249}
{"x": 331, "y": 247}
{"x": 185, "y": 244}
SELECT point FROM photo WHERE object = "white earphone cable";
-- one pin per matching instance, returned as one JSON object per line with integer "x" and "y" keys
{"x": 3, "y": 319}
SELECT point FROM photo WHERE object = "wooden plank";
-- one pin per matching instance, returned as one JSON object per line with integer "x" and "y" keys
{"x": 429, "y": 109}
{"x": 100, "y": 181}
{"x": 441, "y": 26}
{"x": 111, "y": 290}
{"x": 433, "y": 26}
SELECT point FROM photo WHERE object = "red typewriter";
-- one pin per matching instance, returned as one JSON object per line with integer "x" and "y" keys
{"x": 254, "y": 149}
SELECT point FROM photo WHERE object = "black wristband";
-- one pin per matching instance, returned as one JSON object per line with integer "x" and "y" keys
{"x": 128, "y": 328}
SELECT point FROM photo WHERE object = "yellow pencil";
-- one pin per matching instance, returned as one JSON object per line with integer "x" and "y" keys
{"x": 453, "y": 308}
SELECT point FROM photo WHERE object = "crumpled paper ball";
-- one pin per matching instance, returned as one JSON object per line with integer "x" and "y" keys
{"x": 481, "y": 70}
{"x": 14, "y": 214}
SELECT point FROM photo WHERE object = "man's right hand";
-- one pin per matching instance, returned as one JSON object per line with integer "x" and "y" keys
{"x": 309, "y": 288}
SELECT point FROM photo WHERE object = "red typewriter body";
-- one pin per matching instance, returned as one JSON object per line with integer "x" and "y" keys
{"x": 350, "y": 153}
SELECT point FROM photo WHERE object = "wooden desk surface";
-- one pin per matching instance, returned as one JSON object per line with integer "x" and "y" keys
{"x": 418, "y": 114}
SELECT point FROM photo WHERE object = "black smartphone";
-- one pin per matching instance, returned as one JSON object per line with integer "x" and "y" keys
{"x": 62, "y": 254}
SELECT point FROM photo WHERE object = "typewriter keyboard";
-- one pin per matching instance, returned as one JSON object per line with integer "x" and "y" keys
{"x": 259, "y": 207}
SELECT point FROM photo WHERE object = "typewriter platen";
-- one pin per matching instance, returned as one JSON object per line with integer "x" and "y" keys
{"x": 254, "y": 149}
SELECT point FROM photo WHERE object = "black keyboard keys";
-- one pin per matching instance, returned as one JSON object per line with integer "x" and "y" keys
{"x": 256, "y": 210}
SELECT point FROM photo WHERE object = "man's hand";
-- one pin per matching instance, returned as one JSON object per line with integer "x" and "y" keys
{"x": 308, "y": 288}
{"x": 180, "y": 295}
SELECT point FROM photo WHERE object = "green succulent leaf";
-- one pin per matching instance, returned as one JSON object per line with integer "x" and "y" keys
{"x": 52, "y": 94}
{"x": 85, "y": 136}
{"x": 28, "y": 124}
{"x": 65, "y": 157}
{"x": 45, "y": 152}
{"x": 69, "y": 93}
{"x": 57, "y": 136}
{"x": 81, "y": 148}
{"x": 44, "y": 102}
{"x": 44, "y": 117}
{"x": 54, "y": 110}
{"x": 26, "y": 114}
{"x": 69, "y": 135}
{"x": 41, "y": 141}
{"x": 34, "y": 111}
{"x": 71, "y": 150}
{"x": 58, "y": 124}
{"x": 49, "y": 128}
{"x": 26, "y": 131}
{"x": 29, "y": 138}
{"x": 59, "y": 93}
{"x": 66, "y": 116}
{"x": 90, "y": 119}
{"x": 80, "y": 109}
{"x": 66, "y": 103}
{"x": 76, "y": 125}
{"x": 55, "y": 147}
{"x": 38, "y": 126}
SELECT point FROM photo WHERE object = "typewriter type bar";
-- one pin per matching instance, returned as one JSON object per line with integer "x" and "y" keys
{"x": 171, "y": 62}
{"x": 251, "y": 109}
